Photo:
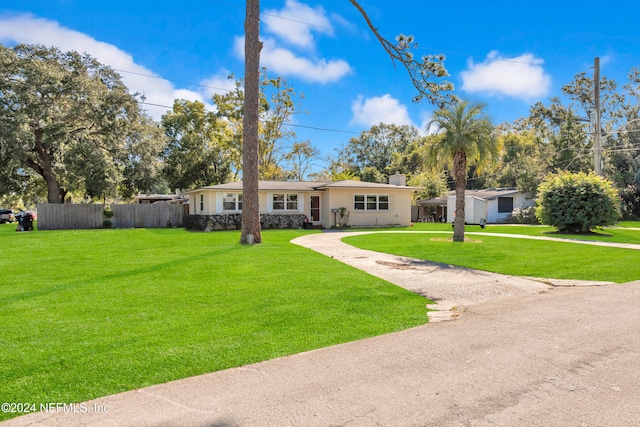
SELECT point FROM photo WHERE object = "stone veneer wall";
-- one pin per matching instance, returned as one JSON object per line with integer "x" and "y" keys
{"x": 234, "y": 221}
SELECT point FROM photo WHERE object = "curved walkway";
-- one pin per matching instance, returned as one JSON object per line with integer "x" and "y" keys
{"x": 451, "y": 287}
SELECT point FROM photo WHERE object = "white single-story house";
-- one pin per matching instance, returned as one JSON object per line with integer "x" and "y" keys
{"x": 491, "y": 206}
{"x": 326, "y": 204}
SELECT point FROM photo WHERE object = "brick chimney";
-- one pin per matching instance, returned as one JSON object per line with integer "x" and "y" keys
{"x": 398, "y": 179}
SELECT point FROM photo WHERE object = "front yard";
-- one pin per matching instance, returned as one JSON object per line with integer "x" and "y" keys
{"x": 520, "y": 257}
{"x": 87, "y": 313}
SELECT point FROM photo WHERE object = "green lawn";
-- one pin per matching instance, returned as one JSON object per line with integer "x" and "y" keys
{"x": 521, "y": 257}
{"x": 611, "y": 234}
{"x": 88, "y": 313}
{"x": 624, "y": 232}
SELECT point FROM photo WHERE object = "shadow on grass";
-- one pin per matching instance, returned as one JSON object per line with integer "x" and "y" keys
{"x": 576, "y": 235}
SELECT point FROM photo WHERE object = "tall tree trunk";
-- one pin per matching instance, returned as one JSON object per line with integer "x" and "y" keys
{"x": 55, "y": 193}
{"x": 460, "y": 176}
{"x": 250, "y": 232}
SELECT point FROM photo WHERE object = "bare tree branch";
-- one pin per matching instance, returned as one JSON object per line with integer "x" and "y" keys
{"x": 422, "y": 73}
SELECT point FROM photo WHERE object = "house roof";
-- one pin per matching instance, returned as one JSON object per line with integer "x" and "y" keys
{"x": 267, "y": 186}
{"x": 304, "y": 186}
{"x": 362, "y": 184}
{"x": 486, "y": 194}
{"x": 157, "y": 197}
{"x": 491, "y": 193}
{"x": 436, "y": 201}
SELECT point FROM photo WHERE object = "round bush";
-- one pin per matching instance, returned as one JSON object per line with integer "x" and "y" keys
{"x": 107, "y": 212}
{"x": 523, "y": 216}
{"x": 577, "y": 202}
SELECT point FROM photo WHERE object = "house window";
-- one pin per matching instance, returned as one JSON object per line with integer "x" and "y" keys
{"x": 201, "y": 202}
{"x": 383, "y": 203}
{"x": 285, "y": 202}
{"x": 505, "y": 204}
{"x": 371, "y": 202}
{"x": 232, "y": 201}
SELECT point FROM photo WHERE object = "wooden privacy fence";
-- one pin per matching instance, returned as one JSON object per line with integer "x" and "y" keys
{"x": 70, "y": 216}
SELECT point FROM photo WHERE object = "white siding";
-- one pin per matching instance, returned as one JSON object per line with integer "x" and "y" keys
{"x": 475, "y": 209}
{"x": 269, "y": 202}
{"x": 219, "y": 205}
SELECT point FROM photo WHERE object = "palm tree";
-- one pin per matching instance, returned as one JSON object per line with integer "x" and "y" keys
{"x": 464, "y": 138}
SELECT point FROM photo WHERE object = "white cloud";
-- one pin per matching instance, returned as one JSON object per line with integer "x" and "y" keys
{"x": 425, "y": 127}
{"x": 519, "y": 77}
{"x": 32, "y": 30}
{"x": 218, "y": 84}
{"x": 379, "y": 109}
{"x": 188, "y": 95}
{"x": 295, "y": 23}
{"x": 284, "y": 62}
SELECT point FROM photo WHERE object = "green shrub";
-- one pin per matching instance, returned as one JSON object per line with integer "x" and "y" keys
{"x": 107, "y": 212}
{"x": 106, "y": 223}
{"x": 630, "y": 203}
{"x": 523, "y": 215}
{"x": 577, "y": 202}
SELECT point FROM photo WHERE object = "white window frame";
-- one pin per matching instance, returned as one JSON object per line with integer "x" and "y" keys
{"x": 236, "y": 200}
{"x": 287, "y": 201}
{"x": 371, "y": 202}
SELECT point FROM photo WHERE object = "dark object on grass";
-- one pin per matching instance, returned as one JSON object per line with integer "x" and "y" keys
{"x": 25, "y": 221}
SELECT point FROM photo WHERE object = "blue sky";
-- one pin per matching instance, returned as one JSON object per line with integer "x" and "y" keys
{"x": 508, "y": 54}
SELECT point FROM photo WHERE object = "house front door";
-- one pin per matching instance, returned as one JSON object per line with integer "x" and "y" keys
{"x": 315, "y": 209}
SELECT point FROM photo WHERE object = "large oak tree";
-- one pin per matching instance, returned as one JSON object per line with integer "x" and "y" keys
{"x": 67, "y": 118}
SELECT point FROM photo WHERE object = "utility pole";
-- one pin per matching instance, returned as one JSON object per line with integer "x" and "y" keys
{"x": 597, "y": 144}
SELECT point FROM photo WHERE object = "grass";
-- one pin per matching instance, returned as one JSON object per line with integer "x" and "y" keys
{"x": 623, "y": 233}
{"x": 614, "y": 234}
{"x": 87, "y": 313}
{"x": 520, "y": 257}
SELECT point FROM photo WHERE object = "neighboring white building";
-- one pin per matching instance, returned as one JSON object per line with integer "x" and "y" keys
{"x": 492, "y": 205}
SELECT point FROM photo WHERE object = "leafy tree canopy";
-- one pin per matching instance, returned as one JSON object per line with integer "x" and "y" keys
{"x": 280, "y": 155}
{"x": 70, "y": 120}
{"x": 372, "y": 155}
{"x": 201, "y": 148}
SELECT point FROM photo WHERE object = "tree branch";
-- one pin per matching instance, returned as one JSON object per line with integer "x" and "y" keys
{"x": 421, "y": 72}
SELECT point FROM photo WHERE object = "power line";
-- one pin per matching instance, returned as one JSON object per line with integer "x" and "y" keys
{"x": 324, "y": 129}
{"x": 287, "y": 124}
{"x": 155, "y": 105}
{"x": 299, "y": 22}
{"x": 172, "y": 80}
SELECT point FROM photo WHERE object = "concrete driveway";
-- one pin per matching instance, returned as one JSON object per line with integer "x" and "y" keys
{"x": 535, "y": 356}
{"x": 452, "y": 288}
